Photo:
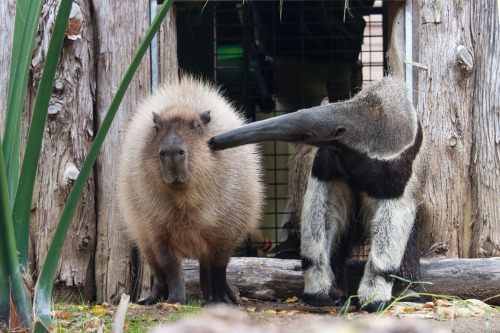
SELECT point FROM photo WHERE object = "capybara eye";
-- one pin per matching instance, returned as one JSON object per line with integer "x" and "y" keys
{"x": 163, "y": 154}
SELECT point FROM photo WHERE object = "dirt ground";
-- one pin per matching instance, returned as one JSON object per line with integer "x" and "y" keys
{"x": 294, "y": 316}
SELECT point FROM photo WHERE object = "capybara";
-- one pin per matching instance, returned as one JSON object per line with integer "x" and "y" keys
{"x": 180, "y": 199}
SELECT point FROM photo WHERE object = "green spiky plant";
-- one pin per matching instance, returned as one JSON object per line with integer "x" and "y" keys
{"x": 16, "y": 189}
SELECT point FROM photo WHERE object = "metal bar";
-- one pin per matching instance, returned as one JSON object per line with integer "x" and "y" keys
{"x": 153, "y": 54}
{"x": 409, "y": 48}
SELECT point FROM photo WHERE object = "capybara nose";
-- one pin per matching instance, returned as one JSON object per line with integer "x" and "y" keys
{"x": 172, "y": 149}
{"x": 172, "y": 153}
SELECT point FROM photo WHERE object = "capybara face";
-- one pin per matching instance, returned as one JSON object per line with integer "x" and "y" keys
{"x": 174, "y": 143}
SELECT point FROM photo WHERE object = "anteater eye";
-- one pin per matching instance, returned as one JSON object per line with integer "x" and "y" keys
{"x": 156, "y": 128}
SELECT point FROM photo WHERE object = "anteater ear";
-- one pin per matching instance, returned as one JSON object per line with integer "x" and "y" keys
{"x": 156, "y": 118}
{"x": 205, "y": 117}
{"x": 337, "y": 132}
{"x": 325, "y": 101}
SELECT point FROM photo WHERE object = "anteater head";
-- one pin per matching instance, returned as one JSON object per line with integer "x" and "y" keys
{"x": 177, "y": 135}
{"x": 379, "y": 121}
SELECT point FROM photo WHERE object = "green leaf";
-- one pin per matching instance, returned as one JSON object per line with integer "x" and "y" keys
{"x": 9, "y": 265}
{"x": 22, "y": 204}
{"x": 25, "y": 28}
{"x": 4, "y": 285}
{"x": 5, "y": 220}
{"x": 45, "y": 281}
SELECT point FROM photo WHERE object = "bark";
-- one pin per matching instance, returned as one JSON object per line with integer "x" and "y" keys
{"x": 120, "y": 29}
{"x": 67, "y": 139}
{"x": 168, "y": 70}
{"x": 396, "y": 46}
{"x": 270, "y": 279}
{"x": 445, "y": 104}
{"x": 118, "y": 269}
{"x": 7, "y": 14}
{"x": 485, "y": 168}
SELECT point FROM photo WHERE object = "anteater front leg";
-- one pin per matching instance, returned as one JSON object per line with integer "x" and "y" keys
{"x": 390, "y": 229}
{"x": 326, "y": 210}
{"x": 213, "y": 279}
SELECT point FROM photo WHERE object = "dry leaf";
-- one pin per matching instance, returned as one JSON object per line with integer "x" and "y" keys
{"x": 293, "y": 312}
{"x": 281, "y": 312}
{"x": 270, "y": 312}
{"x": 443, "y": 302}
{"x": 332, "y": 311}
{"x": 428, "y": 305}
{"x": 100, "y": 310}
{"x": 178, "y": 307}
{"x": 408, "y": 310}
{"x": 251, "y": 309}
{"x": 62, "y": 315}
{"x": 244, "y": 299}
{"x": 80, "y": 307}
{"x": 292, "y": 300}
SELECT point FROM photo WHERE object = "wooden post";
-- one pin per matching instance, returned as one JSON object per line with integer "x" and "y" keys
{"x": 168, "y": 70}
{"x": 67, "y": 139}
{"x": 121, "y": 27}
{"x": 484, "y": 60}
{"x": 7, "y": 14}
{"x": 445, "y": 105}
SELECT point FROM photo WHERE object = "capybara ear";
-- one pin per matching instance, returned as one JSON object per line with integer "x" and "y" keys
{"x": 205, "y": 117}
{"x": 156, "y": 117}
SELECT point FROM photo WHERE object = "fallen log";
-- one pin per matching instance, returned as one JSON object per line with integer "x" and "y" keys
{"x": 271, "y": 279}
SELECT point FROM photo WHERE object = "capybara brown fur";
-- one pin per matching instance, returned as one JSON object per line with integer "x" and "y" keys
{"x": 180, "y": 199}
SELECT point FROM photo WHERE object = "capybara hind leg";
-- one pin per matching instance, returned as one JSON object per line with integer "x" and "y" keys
{"x": 213, "y": 281}
{"x": 171, "y": 263}
{"x": 205, "y": 285}
{"x": 158, "y": 293}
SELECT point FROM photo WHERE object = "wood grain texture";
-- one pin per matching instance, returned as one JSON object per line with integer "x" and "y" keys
{"x": 396, "y": 46}
{"x": 7, "y": 14}
{"x": 485, "y": 164}
{"x": 168, "y": 70}
{"x": 445, "y": 105}
{"x": 269, "y": 279}
{"x": 120, "y": 28}
{"x": 68, "y": 135}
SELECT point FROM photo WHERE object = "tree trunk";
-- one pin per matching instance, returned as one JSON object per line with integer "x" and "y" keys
{"x": 485, "y": 168}
{"x": 67, "y": 139}
{"x": 7, "y": 14}
{"x": 445, "y": 105}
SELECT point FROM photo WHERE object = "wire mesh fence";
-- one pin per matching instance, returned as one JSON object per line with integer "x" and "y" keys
{"x": 269, "y": 63}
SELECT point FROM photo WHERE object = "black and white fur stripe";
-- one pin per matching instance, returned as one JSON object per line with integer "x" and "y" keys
{"x": 349, "y": 189}
{"x": 364, "y": 162}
